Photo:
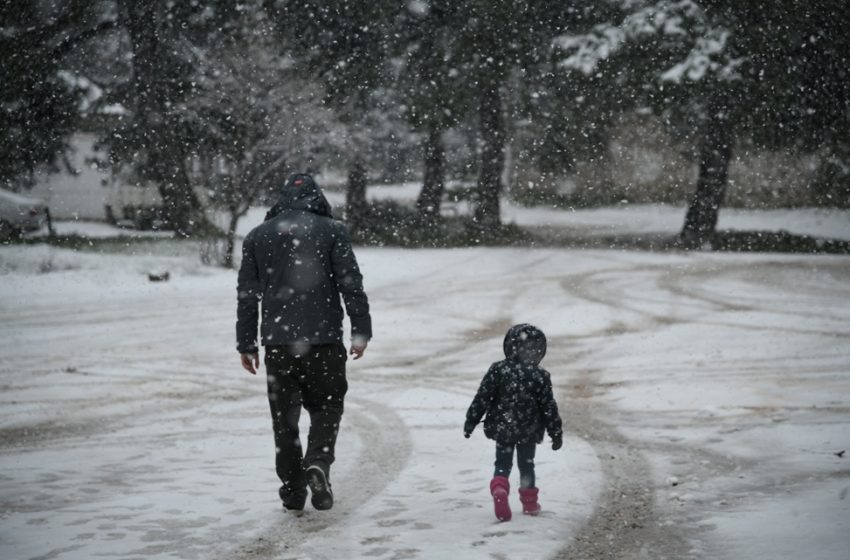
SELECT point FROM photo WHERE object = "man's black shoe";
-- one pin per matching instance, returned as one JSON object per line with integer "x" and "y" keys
{"x": 317, "y": 480}
{"x": 293, "y": 501}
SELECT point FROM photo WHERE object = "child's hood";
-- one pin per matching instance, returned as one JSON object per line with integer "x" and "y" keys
{"x": 525, "y": 343}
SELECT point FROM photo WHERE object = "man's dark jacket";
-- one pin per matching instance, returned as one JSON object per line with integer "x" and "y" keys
{"x": 516, "y": 393}
{"x": 298, "y": 263}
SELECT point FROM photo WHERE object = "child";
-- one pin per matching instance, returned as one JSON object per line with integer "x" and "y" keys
{"x": 516, "y": 395}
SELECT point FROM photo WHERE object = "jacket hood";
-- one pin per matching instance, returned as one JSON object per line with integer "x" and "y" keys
{"x": 525, "y": 343}
{"x": 300, "y": 192}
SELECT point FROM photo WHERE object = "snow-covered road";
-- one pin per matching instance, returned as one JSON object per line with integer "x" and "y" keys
{"x": 705, "y": 396}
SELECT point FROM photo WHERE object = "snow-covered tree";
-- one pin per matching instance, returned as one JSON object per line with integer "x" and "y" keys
{"x": 40, "y": 102}
{"x": 256, "y": 119}
{"x": 433, "y": 87}
{"x": 669, "y": 56}
{"x": 773, "y": 72}
{"x": 152, "y": 144}
{"x": 492, "y": 41}
{"x": 347, "y": 46}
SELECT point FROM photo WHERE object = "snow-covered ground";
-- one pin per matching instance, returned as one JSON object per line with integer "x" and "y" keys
{"x": 636, "y": 218}
{"x": 626, "y": 219}
{"x": 706, "y": 399}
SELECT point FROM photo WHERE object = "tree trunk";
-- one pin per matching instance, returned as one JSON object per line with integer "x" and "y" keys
{"x": 355, "y": 199}
{"x": 230, "y": 239}
{"x": 175, "y": 187}
{"x": 715, "y": 153}
{"x": 433, "y": 185}
{"x": 492, "y": 156}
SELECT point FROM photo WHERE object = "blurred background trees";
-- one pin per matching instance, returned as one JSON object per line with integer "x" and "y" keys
{"x": 693, "y": 102}
{"x": 40, "y": 101}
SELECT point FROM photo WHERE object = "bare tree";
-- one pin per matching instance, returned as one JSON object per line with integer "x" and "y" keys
{"x": 260, "y": 120}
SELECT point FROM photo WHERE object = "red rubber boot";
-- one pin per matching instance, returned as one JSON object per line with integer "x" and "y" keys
{"x": 500, "y": 489}
{"x": 528, "y": 497}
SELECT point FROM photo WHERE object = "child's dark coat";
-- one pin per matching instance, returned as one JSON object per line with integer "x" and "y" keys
{"x": 516, "y": 393}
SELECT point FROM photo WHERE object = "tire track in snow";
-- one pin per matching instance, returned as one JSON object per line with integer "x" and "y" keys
{"x": 386, "y": 448}
{"x": 387, "y": 445}
{"x": 630, "y": 521}
{"x": 677, "y": 281}
{"x": 624, "y": 523}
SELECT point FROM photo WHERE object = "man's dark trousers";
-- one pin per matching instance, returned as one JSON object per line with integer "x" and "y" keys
{"x": 312, "y": 377}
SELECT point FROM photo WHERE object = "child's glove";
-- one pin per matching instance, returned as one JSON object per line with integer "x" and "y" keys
{"x": 467, "y": 429}
{"x": 557, "y": 442}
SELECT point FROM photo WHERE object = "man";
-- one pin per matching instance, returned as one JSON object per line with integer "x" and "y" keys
{"x": 298, "y": 263}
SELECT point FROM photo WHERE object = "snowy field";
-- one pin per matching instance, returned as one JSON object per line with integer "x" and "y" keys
{"x": 625, "y": 219}
{"x": 635, "y": 219}
{"x": 706, "y": 400}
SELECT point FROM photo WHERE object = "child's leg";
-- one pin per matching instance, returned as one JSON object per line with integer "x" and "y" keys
{"x": 499, "y": 486}
{"x": 527, "y": 491}
{"x": 525, "y": 462}
{"x": 504, "y": 459}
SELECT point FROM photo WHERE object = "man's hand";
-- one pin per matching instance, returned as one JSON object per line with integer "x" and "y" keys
{"x": 358, "y": 346}
{"x": 251, "y": 362}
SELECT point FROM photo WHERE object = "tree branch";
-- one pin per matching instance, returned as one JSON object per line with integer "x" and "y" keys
{"x": 70, "y": 42}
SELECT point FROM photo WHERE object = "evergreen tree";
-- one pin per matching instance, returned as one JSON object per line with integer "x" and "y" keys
{"x": 154, "y": 145}
{"x": 39, "y": 102}
{"x": 788, "y": 89}
{"x": 797, "y": 76}
{"x": 433, "y": 88}
{"x": 569, "y": 109}
{"x": 347, "y": 45}
{"x": 244, "y": 150}
{"x": 773, "y": 72}
{"x": 498, "y": 39}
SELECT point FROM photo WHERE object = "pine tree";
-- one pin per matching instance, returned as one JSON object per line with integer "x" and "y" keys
{"x": 434, "y": 90}
{"x": 347, "y": 46}
{"x": 772, "y": 72}
{"x": 498, "y": 39}
{"x": 789, "y": 90}
{"x": 39, "y": 103}
{"x": 154, "y": 145}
